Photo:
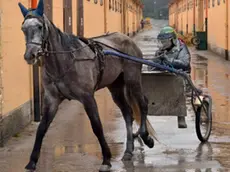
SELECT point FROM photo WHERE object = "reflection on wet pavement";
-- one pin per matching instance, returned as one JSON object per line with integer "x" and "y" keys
{"x": 70, "y": 145}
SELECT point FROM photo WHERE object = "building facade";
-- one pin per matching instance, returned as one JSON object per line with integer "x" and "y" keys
{"x": 189, "y": 15}
{"x": 86, "y": 18}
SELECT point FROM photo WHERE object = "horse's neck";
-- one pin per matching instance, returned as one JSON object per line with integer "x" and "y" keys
{"x": 54, "y": 62}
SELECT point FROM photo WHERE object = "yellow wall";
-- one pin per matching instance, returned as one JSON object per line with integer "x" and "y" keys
{"x": 58, "y": 14}
{"x": 15, "y": 72}
{"x": 74, "y": 16}
{"x": 93, "y": 18}
{"x": 216, "y": 24}
{"x": 114, "y": 19}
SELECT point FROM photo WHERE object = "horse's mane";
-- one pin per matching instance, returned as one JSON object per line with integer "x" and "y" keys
{"x": 67, "y": 40}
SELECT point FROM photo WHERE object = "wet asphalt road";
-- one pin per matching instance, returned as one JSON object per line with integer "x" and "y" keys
{"x": 70, "y": 145}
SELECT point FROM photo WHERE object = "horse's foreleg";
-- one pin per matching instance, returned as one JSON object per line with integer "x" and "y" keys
{"x": 91, "y": 109}
{"x": 120, "y": 100}
{"x": 49, "y": 110}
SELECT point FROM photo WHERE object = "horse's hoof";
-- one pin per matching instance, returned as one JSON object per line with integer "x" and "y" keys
{"x": 30, "y": 167}
{"x": 105, "y": 168}
{"x": 150, "y": 142}
{"x": 127, "y": 157}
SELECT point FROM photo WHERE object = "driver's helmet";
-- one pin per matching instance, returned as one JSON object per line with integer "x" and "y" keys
{"x": 167, "y": 38}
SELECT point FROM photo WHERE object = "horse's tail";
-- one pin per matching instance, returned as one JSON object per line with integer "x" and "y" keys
{"x": 137, "y": 114}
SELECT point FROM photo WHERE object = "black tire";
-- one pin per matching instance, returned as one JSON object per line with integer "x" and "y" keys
{"x": 195, "y": 41}
{"x": 208, "y": 114}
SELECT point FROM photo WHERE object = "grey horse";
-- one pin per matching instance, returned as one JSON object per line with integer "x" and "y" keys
{"x": 74, "y": 68}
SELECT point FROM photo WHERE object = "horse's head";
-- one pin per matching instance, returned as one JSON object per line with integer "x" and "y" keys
{"x": 34, "y": 29}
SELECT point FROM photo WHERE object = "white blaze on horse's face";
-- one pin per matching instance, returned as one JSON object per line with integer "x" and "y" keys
{"x": 33, "y": 31}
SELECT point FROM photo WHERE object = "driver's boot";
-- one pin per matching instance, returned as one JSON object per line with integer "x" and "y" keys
{"x": 181, "y": 122}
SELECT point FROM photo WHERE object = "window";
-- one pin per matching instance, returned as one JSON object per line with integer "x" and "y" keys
{"x": 113, "y": 5}
{"x": 209, "y": 3}
{"x": 120, "y": 8}
{"x": 213, "y": 3}
{"x": 101, "y": 2}
{"x": 117, "y": 6}
{"x": 95, "y": 1}
{"x": 110, "y": 4}
{"x": 218, "y": 2}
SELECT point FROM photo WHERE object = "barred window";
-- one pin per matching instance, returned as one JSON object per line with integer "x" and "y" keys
{"x": 115, "y": 5}
{"x": 110, "y": 4}
{"x": 218, "y": 2}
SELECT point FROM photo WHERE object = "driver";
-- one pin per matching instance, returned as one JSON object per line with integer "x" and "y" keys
{"x": 174, "y": 53}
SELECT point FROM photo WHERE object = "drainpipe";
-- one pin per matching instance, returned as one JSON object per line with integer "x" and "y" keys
{"x": 206, "y": 23}
{"x": 226, "y": 32}
{"x": 187, "y": 17}
{"x": 36, "y": 91}
{"x": 194, "y": 17}
{"x": 105, "y": 16}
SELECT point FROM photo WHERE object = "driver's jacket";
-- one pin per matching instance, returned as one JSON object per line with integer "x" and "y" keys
{"x": 178, "y": 57}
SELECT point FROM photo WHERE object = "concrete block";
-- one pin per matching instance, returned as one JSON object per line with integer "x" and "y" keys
{"x": 15, "y": 121}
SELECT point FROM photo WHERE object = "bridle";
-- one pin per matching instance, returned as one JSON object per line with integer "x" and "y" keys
{"x": 44, "y": 44}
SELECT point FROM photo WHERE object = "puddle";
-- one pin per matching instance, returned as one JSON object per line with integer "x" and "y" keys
{"x": 212, "y": 77}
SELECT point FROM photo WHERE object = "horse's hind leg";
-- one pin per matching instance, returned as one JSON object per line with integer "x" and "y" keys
{"x": 134, "y": 91}
{"x": 117, "y": 91}
{"x": 91, "y": 109}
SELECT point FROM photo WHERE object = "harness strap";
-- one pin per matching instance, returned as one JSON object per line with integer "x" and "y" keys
{"x": 98, "y": 50}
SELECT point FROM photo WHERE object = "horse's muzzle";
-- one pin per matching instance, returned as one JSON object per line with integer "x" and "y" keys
{"x": 32, "y": 54}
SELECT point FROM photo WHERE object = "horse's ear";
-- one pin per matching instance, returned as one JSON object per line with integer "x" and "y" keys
{"x": 40, "y": 8}
{"x": 23, "y": 9}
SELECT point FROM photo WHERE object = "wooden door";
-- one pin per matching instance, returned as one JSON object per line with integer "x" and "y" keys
{"x": 80, "y": 18}
{"x": 67, "y": 16}
{"x": 49, "y": 9}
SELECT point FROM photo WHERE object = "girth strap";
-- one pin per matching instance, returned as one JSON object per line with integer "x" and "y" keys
{"x": 98, "y": 50}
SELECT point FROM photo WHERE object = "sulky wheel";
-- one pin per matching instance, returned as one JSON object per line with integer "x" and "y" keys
{"x": 204, "y": 120}
{"x": 195, "y": 41}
